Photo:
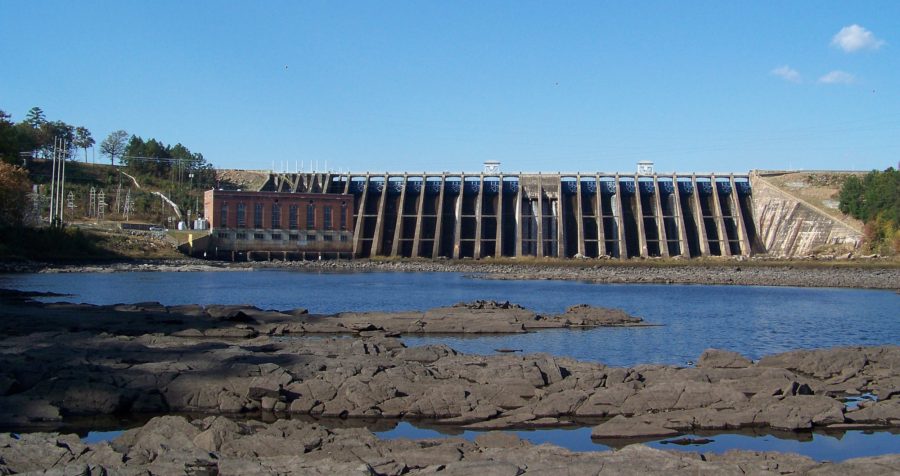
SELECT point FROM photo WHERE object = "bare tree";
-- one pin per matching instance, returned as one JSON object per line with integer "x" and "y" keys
{"x": 114, "y": 145}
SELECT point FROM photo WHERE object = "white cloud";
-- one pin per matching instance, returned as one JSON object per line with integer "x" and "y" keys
{"x": 837, "y": 77}
{"x": 786, "y": 73}
{"x": 854, "y": 38}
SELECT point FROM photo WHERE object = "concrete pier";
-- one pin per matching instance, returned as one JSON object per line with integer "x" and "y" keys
{"x": 457, "y": 215}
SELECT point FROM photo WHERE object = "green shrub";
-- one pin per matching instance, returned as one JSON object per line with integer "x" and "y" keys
{"x": 875, "y": 199}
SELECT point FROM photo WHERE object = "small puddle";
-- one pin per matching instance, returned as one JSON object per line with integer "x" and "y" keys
{"x": 853, "y": 402}
{"x": 101, "y": 436}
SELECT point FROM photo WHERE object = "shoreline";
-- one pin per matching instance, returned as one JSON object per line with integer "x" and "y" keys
{"x": 884, "y": 275}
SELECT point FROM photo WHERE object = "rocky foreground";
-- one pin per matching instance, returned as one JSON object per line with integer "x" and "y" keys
{"x": 219, "y": 445}
{"x": 64, "y": 360}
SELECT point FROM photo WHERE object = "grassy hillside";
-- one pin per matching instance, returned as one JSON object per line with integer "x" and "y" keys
{"x": 81, "y": 177}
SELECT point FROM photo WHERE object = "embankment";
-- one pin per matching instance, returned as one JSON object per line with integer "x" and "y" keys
{"x": 871, "y": 274}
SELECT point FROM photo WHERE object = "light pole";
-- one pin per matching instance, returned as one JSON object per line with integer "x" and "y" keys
{"x": 191, "y": 178}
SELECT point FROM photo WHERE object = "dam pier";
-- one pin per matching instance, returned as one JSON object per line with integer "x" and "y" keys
{"x": 480, "y": 215}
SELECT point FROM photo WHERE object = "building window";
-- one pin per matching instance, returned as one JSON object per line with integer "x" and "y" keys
{"x": 276, "y": 236}
{"x": 241, "y": 236}
{"x": 241, "y": 215}
{"x": 223, "y": 215}
{"x": 259, "y": 236}
{"x": 257, "y": 215}
{"x": 343, "y": 238}
{"x": 224, "y": 236}
{"x": 328, "y": 238}
{"x": 276, "y": 216}
{"x": 293, "y": 237}
{"x": 343, "y": 215}
{"x": 311, "y": 216}
{"x": 292, "y": 219}
{"x": 328, "y": 217}
{"x": 310, "y": 237}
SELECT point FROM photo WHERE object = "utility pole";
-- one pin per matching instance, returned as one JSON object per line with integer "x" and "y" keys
{"x": 57, "y": 181}
{"x": 53, "y": 182}
{"x": 62, "y": 185}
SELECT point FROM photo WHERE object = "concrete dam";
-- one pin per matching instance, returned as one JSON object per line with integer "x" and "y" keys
{"x": 480, "y": 215}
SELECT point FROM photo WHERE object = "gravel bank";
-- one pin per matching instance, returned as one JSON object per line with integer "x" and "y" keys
{"x": 867, "y": 274}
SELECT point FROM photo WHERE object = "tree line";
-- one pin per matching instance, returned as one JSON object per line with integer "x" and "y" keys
{"x": 36, "y": 136}
{"x": 875, "y": 199}
{"x": 176, "y": 163}
{"x": 173, "y": 168}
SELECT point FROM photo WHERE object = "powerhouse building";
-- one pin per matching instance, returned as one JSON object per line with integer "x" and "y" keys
{"x": 266, "y": 225}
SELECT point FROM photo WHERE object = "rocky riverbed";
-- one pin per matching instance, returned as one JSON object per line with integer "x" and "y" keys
{"x": 60, "y": 360}
{"x": 873, "y": 274}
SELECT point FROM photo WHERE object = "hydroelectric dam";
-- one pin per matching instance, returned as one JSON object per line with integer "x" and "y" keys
{"x": 459, "y": 215}
{"x": 493, "y": 214}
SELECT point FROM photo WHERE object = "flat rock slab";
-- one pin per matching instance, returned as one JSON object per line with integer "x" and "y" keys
{"x": 246, "y": 321}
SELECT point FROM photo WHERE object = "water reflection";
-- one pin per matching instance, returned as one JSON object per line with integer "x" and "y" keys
{"x": 822, "y": 444}
{"x": 831, "y": 446}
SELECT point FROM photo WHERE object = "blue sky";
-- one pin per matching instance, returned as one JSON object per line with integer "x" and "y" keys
{"x": 426, "y": 85}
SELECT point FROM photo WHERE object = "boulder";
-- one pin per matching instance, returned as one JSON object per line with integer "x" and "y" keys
{"x": 231, "y": 313}
{"x": 722, "y": 359}
{"x": 22, "y": 409}
{"x": 498, "y": 439}
{"x": 231, "y": 332}
{"x": 91, "y": 398}
{"x": 885, "y": 412}
{"x": 558, "y": 403}
{"x": 630, "y": 427}
{"x": 171, "y": 437}
{"x": 216, "y": 431}
{"x": 34, "y": 452}
{"x": 480, "y": 304}
{"x": 823, "y": 364}
{"x": 584, "y": 315}
{"x": 426, "y": 354}
{"x": 799, "y": 412}
{"x": 606, "y": 401}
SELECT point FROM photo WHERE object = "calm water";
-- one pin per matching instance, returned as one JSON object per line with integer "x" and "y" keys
{"x": 819, "y": 446}
{"x": 838, "y": 447}
{"x": 754, "y": 321}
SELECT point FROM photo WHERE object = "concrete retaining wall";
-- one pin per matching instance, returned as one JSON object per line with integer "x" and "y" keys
{"x": 788, "y": 226}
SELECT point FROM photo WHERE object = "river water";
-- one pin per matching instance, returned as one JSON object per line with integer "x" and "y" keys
{"x": 752, "y": 320}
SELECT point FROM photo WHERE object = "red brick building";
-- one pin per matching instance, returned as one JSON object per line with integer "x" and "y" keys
{"x": 279, "y": 224}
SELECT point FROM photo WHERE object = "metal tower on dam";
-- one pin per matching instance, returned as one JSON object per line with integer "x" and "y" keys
{"x": 479, "y": 215}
